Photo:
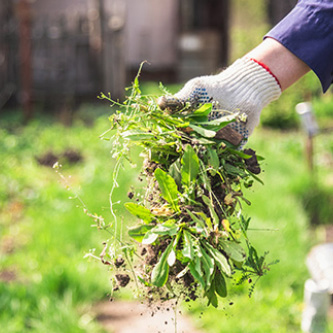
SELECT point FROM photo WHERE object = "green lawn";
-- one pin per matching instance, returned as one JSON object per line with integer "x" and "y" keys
{"x": 43, "y": 235}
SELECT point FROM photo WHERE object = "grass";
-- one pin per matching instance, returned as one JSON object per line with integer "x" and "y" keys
{"x": 44, "y": 236}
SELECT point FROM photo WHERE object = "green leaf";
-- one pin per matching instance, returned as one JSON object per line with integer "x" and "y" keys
{"x": 220, "y": 260}
{"x": 202, "y": 131}
{"x": 205, "y": 179}
{"x": 244, "y": 223}
{"x": 143, "y": 281}
{"x": 203, "y": 111}
{"x": 256, "y": 178}
{"x": 136, "y": 135}
{"x": 234, "y": 251}
{"x": 165, "y": 229}
{"x": 139, "y": 211}
{"x": 213, "y": 160}
{"x": 136, "y": 86}
{"x": 210, "y": 206}
{"x": 168, "y": 188}
{"x": 232, "y": 170}
{"x": 175, "y": 173}
{"x": 188, "y": 251}
{"x": 222, "y": 263}
{"x": 138, "y": 233}
{"x": 171, "y": 258}
{"x": 198, "y": 220}
{"x": 160, "y": 273}
{"x": 212, "y": 298}
{"x": 203, "y": 141}
{"x": 190, "y": 166}
{"x": 260, "y": 158}
{"x": 207, "y": 265}
{"x": 149, "y": 238}
{"x": 197, "y": 274}
{"x": 239, "y": 153}
{"x": 219, "y": 284}
{"x": 226, "y": 119}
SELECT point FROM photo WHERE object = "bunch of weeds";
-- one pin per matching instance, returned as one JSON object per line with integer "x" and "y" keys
{"x": 191, "y": 237}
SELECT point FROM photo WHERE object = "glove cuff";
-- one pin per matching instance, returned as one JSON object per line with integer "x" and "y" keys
{"x": 268, "y": 70}
{"x": 251, "y": 81}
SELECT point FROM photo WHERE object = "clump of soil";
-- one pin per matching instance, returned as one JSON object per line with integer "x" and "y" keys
{"x": 119, "y": 262}
{"x": 123, "y": 279}
{"x": 252, "y": 162}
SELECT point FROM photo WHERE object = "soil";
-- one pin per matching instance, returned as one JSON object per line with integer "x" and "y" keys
{"x": 129, "y": 317}
{"x": 47, "y": 159}
{"x": 252, "y": 163}
{"x": 119, "y": 262}
{"x": 123, "y": 279}
{"x": 70, "y": 155}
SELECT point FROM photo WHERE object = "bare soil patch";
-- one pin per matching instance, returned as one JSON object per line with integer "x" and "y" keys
{"x": 129, "y": 317}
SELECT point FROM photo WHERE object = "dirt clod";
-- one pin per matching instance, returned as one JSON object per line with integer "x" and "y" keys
{"x": 119, "y": 262}
{"x": 252, "y": 162}
{"x": 123, "y": 279}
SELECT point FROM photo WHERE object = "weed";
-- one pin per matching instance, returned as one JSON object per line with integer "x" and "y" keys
{"x": 191, "y": 224}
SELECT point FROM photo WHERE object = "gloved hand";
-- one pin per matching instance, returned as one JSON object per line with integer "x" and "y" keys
{"x": 246, "y": 87}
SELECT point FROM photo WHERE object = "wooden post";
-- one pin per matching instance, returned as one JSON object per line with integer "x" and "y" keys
{"x": 25, "y": 47}
{"x": 114, "y": 68}
{"x": 311, "y": 128}
{"x": 309, "y": 152}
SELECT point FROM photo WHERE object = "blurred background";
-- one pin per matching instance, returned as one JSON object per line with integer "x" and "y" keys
{"x": 55, "y": 59}
{"x": 61, "y": 53}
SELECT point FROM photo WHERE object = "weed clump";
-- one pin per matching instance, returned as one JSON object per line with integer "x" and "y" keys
{"x": 191, "y": 237}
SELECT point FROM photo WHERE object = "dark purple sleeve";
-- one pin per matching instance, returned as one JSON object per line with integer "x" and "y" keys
{"x": 307, "y": 31}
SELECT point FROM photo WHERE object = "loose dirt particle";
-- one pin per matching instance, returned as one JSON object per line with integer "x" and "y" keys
{"x": 123, "y": 279}
{"x": 119, "y": 262}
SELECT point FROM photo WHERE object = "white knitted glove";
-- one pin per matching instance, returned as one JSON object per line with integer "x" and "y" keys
{"x": 245, "y": 87}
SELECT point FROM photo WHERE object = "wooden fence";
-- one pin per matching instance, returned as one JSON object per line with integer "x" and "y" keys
{"x": 66, "y": 62}
{"x": 63, "y": 61}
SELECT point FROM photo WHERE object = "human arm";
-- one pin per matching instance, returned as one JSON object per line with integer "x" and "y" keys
{"x": 303, "y": 40}
{"x": 282, "y": 63}
{"x": 307, "y": 32}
